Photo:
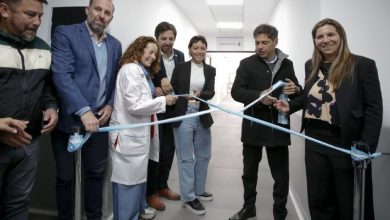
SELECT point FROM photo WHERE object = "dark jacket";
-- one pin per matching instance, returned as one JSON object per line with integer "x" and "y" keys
{"x": 178, "y": 57}
{"x": 25, "y": 85}
{"x": 359, "y": 104}
{"x": 254, "y": 76}
{"x": 181, "y": 84}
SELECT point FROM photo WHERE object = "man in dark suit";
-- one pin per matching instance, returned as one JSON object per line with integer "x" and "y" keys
{"x": 84, "y": 67}
{"x": 255, "y": 75}
{"x": 158, "y": 173}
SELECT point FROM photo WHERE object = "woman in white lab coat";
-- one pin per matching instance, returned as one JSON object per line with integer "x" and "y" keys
{"x": 130, "y": 149}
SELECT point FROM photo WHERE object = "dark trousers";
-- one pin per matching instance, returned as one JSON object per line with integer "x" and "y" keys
{"x": 330, "y": 177}
{"x": 158, "y": 172}
{"x": 17, "y": 175}
{"x": 279, "y": 165}
{"x": 93, "y": 163}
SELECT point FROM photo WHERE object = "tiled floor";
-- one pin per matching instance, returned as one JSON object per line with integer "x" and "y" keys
{"x": 224, "y": 177}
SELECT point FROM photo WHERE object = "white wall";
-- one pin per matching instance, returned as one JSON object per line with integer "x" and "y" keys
{"x": 366, "y": 24}
{"x": 132, "y": 19}
{"x": 294, "y": 23}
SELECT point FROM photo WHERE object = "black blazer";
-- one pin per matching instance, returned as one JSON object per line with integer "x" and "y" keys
{"x": 359, "y": 104}
{"x": 178, "y": 57}
{"x": 181, "y": 84}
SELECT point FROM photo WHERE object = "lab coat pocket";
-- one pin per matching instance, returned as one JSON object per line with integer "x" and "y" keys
{"x": 132, "y": 143}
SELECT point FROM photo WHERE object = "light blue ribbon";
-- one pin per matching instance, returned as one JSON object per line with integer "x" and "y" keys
{"x": 78, "y": 143}
{"x": 355, "y": 153}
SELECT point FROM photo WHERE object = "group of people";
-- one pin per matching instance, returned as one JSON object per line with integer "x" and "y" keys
{"x": 341, "y": 102}
{"x": 85, "y": 82}
{"x": 135, "y": 152}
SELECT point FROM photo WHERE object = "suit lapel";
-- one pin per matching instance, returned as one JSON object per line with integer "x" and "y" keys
{"x": 88, "y": 42}
{"x": 162, "y": 67}
{"x": 110, "y": 55}
{"x": 207, "y": 74}
{"x": 206, "y": 71}
{"x": 187, "y": 78}
{"x": 175, "y": 56}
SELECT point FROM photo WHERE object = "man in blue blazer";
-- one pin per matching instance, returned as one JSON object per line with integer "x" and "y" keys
{"x": 158, "y": 173}
{"x": 84, "y": 64}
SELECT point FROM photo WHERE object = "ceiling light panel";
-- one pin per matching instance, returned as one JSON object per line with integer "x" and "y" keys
{"x": 225, "y": 2}
{"x": 229, "y": 25}
{"x": 226, "y": 9}
{"x": 228, "y": 17}
{"x": 228, "y": 13}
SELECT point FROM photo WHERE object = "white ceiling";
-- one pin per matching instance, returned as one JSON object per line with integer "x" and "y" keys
{"x": 204, "y": 17}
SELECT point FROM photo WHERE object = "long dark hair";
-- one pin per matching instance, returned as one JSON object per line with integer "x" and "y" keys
{"x": 343, "y": 66}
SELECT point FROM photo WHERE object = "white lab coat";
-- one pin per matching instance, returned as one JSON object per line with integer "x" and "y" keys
{"x": 130, "y": 149}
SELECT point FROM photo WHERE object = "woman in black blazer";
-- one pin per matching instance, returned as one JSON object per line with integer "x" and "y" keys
{"x": 193, "y": 135}
{"x": 342, "y": 103}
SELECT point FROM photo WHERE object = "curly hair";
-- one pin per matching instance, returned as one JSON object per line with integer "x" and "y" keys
{"x": 135, "y": 51}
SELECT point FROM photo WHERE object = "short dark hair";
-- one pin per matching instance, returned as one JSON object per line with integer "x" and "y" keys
{"x": 195, "y": 39}
{"x": 266, "y": 29}
{"x": 164, "y": 26}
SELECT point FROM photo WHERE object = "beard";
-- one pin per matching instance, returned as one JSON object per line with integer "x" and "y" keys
{"x": 167, "y": 49}
{"x": 29, "y": 36}
{"x": 97, "y": 29}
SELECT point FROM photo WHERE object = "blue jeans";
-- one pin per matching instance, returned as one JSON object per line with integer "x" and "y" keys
{"x": 128, "y": 200}
{"x": 193, "y": 150}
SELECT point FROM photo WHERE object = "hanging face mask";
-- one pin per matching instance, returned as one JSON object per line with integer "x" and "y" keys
{"x": 76, "y": 140}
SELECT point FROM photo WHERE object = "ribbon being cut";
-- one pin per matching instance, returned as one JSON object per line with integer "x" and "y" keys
{"x": 76, "y": 140}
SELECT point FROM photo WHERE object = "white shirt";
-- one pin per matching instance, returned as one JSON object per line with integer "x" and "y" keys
{"x": 169, "y": 64}
{"x": 197, "y": 77}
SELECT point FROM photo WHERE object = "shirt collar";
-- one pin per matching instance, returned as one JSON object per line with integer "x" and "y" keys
{"x": 15, "y": 40}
